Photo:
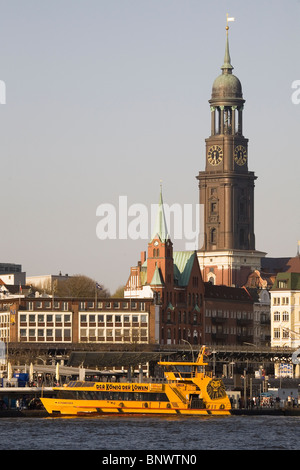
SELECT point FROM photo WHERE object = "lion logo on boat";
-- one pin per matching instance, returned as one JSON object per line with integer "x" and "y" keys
{"x": 216, "y": 389}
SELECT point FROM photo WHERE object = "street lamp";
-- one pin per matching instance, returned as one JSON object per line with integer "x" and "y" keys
{"x": 190, "y": 347}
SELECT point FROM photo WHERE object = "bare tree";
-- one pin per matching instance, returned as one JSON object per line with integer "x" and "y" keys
{"x": 80, "y": 286}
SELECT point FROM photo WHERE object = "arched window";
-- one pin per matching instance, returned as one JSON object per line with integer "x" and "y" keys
{"x": 285, "y": 316}
{"x": 213, "y": 236}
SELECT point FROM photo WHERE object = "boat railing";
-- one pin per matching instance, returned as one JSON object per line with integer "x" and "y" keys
{"x": 144, "y": 380}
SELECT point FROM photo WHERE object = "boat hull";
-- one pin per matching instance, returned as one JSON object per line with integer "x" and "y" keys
{"x": 57, "y": 407}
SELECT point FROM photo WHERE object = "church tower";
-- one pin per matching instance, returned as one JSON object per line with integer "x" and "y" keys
{"x": 227, "y": 253}
{"x": 160, "y": 269}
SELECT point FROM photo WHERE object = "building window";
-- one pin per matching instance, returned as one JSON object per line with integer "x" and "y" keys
{"x": 285, "y": 334}
{"x": 282, "y": 284}
{"x": 285, "y": 316}
{"x": 67, "y": 333}
{"x": 276, "y": 333}
{"x": 213, "y": 236}
{"x": 276, "y": 316}
{"x": 213, "y": 207}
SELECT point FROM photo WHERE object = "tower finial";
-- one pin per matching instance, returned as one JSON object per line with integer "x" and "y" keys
{"x": 160, "y": 228}
{"x": 227, "y": 67}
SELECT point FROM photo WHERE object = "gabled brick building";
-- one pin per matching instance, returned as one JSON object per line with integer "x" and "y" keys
{"x": 174, "y": 280}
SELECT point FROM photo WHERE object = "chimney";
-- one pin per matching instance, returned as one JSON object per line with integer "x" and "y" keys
{"x": 143, "y": 256}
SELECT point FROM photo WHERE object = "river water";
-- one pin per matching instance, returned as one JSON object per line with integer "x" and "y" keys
{"x": 168, "y": 434}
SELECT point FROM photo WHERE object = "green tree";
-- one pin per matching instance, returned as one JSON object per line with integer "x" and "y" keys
{"x": 119, "y": 292}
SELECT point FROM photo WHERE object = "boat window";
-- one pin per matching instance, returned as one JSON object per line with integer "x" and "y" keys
{"x": 108, "y": 395}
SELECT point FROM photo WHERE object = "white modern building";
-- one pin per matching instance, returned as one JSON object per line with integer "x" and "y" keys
{"x": 285, "y": 310}
{"x": 45, "y": 282}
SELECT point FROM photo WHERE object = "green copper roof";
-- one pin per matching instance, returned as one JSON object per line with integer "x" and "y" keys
{"x": 156, "y": 280}
{"x": 227, "y": 67}
{"x": 160, "y": 229}
{"x": 183, "y": 263}
{"x": 227, "y": 85}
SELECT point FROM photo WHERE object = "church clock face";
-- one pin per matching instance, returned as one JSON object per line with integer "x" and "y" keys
{"x": 215, "y": 155}
{"x": 240, "y": 155}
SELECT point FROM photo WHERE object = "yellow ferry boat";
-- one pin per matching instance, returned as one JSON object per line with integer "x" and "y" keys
{"x": 187, "y": 390}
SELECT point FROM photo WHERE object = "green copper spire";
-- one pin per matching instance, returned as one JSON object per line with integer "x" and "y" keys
{"x": 227, "y": 67}
{"x": 160, "y": 229}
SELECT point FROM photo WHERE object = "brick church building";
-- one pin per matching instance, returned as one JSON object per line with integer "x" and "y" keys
{"x": 173, "y": 279}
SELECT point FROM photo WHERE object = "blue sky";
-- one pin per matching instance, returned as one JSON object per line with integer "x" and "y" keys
{"x": 105, "y": 98}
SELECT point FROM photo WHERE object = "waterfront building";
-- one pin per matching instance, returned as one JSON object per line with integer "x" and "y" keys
{"x": 52, "y": 322}
{"x": 285, "y": 310}
{"x": 173, "y": 280}
{"x": 12, "y": 279}
{"x": 226, "y": 188}
{"x": 46, "y": 282}
{"x": 229, "y": 316}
